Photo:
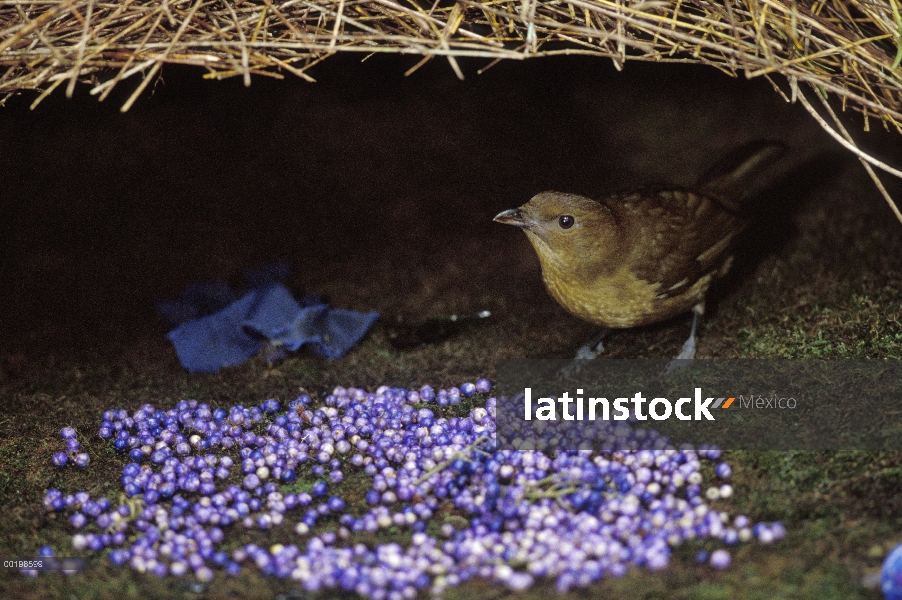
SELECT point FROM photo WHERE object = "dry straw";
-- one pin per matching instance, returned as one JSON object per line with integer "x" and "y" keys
{"x": 848, "y": 49}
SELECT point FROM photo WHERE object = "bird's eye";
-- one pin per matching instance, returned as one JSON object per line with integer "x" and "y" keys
{"x": 566, "y": 221}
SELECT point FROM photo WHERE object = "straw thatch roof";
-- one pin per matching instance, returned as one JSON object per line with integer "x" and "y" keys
{"x": 846, "y": 49}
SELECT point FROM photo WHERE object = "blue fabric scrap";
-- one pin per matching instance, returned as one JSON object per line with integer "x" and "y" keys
{"x": 265, "y": 315}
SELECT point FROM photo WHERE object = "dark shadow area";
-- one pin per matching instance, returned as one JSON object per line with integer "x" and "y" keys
{"x": 379, "y": 189}
{"x": 774, "y": 212}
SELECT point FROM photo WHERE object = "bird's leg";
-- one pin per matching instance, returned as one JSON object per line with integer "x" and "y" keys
{"x": 688, "y": 351}
{"x": 593, "y": 347}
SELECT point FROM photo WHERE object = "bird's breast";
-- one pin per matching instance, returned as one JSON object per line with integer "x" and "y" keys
{"x": 621, "y": 299}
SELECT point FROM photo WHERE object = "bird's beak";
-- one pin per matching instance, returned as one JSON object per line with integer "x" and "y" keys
{"x": 512, "y": 216}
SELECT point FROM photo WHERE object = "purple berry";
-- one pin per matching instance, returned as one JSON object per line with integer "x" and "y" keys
{"x": 891, "y": 575}
{"x": 78, "y": 520}
{"x": 720, "y": 559}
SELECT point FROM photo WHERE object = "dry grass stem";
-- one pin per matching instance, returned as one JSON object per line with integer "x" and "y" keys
{"x": 849, "y": 47}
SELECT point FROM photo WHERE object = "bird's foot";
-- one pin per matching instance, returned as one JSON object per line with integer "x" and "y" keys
{"x": 684, "y": 358}
{"x": 688, "y": 351}
{"x": 587, "y": 352}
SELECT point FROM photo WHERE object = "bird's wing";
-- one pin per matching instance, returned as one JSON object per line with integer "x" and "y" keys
{"x": 678, "y": 236}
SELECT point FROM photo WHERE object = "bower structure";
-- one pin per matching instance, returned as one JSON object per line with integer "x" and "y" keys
{"x": 849, "y": 49}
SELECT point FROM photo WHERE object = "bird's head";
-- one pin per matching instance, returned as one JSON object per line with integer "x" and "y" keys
{"x": 566, "y": 230}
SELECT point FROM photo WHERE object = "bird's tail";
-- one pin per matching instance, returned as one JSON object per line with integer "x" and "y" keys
{"x": 743, "y": 172}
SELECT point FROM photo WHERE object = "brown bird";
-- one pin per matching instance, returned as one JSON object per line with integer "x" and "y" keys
{"x": 642, "y": 257}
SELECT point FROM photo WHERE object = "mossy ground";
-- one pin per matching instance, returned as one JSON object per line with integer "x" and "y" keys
{"x": 381, "y": 191}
